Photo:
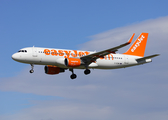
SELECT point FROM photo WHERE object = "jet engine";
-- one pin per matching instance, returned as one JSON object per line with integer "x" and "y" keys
{"x": 73, "y": 62}
{"x": 51, "y": 70}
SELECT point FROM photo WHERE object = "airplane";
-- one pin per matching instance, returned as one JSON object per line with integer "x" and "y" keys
{"x": 58, "y": 60}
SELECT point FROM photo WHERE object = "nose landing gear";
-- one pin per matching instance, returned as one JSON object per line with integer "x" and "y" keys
{"x": 32, "y": 66}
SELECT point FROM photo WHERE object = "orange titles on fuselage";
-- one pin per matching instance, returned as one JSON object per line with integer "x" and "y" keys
{"x": 73, "y": 53}
{"x": 65, "y": 53}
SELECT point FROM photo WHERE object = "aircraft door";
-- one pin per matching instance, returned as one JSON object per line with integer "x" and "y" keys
{"x": 34, "y": 51}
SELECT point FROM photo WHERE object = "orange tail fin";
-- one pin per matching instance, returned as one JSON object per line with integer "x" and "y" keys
{"x": 138, "y": 48}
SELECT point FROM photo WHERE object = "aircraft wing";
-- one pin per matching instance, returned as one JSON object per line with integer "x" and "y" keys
{"x": 92, "y": 57}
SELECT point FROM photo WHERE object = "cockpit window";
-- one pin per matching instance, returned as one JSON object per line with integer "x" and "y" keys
{"x": 22, "y": 51}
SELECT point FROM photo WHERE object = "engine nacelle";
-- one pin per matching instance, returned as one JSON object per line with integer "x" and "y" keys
{"x": 73, "y": 62}
{"x": 51, "y": 70}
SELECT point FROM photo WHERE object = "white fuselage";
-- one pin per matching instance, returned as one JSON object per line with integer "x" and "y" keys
{"x": 56, "y": 57}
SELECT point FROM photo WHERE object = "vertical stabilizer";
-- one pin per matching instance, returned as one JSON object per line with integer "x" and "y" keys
{"x": 138, "y": 48}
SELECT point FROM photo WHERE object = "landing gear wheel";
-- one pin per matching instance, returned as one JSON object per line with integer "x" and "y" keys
{"x": 32, "y": 66}
{"x": 87, "y": 71}
{"x": 73, "y": 76}
{"x": 31, "y": 71}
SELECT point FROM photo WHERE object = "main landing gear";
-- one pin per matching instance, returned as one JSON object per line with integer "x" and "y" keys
{"x": 87, "y": 71}
{"x": 32, "y": 66}
{"x": 73, "y": 76}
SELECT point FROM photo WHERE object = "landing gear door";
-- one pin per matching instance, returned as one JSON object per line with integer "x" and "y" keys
{"x": 34, "y": 51}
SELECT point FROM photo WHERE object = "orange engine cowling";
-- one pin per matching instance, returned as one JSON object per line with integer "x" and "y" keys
{"x": 51, "y": 70}
{"x": 72, "y": 62}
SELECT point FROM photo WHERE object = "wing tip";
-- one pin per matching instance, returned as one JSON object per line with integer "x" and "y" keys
{"x": 157, "y": 54}
{"x": 130, "y": 40}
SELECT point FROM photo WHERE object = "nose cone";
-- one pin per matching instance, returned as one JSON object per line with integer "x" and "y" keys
{"x": 15, "y": 57}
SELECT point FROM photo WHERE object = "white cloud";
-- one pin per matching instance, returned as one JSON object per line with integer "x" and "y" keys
{"x": 132, "y": 93}
{"x": 56, "y": 110}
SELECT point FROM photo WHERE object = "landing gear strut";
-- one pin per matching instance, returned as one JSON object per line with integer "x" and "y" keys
{"x": 73, "y": 76}
{"x": 32, "y": 66}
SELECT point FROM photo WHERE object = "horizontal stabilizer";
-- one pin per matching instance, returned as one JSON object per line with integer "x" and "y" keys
{"x": 147, "y": 57}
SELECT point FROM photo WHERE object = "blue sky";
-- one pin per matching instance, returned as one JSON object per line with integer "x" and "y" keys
{"x": 88, "y": 24}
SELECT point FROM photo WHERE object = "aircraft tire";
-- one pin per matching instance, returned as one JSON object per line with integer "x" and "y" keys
{"x": 31, "y": 71}
{"x": 73, "y": 76}
{"x": 87, "y": 71}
